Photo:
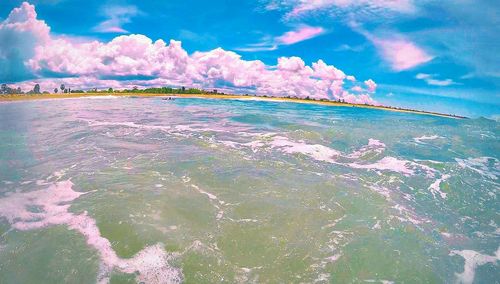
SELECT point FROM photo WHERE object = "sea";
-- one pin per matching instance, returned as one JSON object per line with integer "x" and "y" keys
{"x": 191, "y": 190}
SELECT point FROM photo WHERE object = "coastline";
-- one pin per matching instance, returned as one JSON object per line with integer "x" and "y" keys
{"x": 26, "y": 97}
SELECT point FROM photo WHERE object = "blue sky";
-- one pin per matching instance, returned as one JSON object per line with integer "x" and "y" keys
{"x": 435, "y": 55}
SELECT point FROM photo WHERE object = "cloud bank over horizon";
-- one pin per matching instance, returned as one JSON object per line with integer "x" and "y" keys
{"x": 35, "y": 55}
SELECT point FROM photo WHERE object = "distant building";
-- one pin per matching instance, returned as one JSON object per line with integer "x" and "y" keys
{"x": 215, "y": 91}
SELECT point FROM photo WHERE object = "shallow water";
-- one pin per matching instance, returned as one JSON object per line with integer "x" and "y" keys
{"x": 223, "y": 191}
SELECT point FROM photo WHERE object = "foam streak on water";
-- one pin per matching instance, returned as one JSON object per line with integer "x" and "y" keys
{"x": 54, "y": 202}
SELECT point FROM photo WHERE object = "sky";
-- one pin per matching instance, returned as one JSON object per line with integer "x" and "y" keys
{"x": 431, "y": 55}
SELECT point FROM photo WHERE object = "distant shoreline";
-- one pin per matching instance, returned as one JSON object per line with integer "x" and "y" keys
{"x": 26, "y": 97}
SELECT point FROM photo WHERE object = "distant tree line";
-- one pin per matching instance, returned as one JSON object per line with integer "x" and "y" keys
{"x": 162, "y": 90}
{"x": 6, "y": 90}
{"x": 165, "y": 90}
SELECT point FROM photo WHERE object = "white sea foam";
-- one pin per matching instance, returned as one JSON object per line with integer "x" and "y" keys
{"x": 408, "y": 215}
{"x": 128, "y": 124}
{"x": 435, "y": 187}
{"x": 322, "y": 278}
{"x": 326, "y": 154}
{"x": 426, "y": 138}
{"x": 214, "y": 200}
{"x": 99, "y": 97}
{"x": 473, "y": 259}
{"x": 385, "y": 192}
{"x": 179, "y": 130}
{"x": 404, "y": 213}
{"x": 53, "y": 204}
{"x": 387, "y": 164}
{"x": 230, "y": 144}
{"x": 208, "y": 194}
{"x": 383, "y": 281}
{"x": 333, "y": 223}
{"x": 428, "y": 161}
{"x": 260, "y": 99}
{"x": 481, "y": 166}
{"x": 315, "y": 151}
{"x": 374, "y": 146}
{"x": 376, "y": 226}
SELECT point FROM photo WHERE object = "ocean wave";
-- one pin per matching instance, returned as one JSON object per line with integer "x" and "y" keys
{"x": 326, "y": 154}
{"x": 182, "y": 130}
{"x": 362, "y": 158}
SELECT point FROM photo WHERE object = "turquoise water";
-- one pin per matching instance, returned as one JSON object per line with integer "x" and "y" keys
{"x": 125, "y": 190}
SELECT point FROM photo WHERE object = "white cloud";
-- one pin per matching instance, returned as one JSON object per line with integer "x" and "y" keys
{"x": 315, "y": 5}
{"x": 431, "y": 80}
{"x": 359, "y": 9}
{"x": 116, "y": 16}
{"x": 301, "y": 33}
{"x": 397, "y": 50}
{"x": 371, "y": 85}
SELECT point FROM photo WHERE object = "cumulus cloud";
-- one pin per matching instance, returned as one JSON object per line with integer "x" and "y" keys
{"x": 136, "y": 60}
{"x": 371, "y": 85}
{"x": 20, "y": 32}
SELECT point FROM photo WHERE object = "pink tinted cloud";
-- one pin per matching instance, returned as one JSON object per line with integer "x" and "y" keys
{"x": 301, "y": 34}
{"x": 116, "y": 16}
{"x": 106, "y": 28}
{"x": 371, "y": 85}
{"x": 22, "y": 21}
{"x": 327, "y": 72}
{"x": 402, "y": 54}
{"x": 126, "y": 60}
{"x": 268, "y": 43}
{"x": 357, "y": 89}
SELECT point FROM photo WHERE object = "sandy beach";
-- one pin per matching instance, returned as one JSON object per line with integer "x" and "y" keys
{"x": 23, "y": 97}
